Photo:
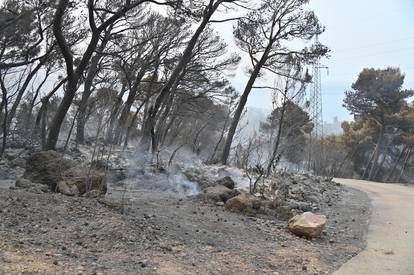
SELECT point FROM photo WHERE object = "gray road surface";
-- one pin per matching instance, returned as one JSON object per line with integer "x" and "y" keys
{"x": 390, "y": 240}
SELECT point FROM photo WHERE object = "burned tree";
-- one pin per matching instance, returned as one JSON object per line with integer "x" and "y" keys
{"x": 75, "y": 70}
{"x": 264, "y": 35}
{"x": 203, "y": 10}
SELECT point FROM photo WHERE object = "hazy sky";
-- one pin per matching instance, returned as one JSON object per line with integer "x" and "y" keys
{"x": 360, "y": 33}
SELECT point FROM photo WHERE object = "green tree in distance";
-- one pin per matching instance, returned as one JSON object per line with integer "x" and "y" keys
{"x": 377, "y": 96}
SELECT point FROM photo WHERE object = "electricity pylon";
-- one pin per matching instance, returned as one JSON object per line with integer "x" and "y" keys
{"x": 315, "y": 113}
{"x": 315, "y": 99}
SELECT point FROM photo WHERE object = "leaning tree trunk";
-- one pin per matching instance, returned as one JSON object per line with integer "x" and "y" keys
{"x": 114, "y": 114}
{"x": 148, "y": 131}
{"x": 131, "y": 125}
{"x": 394, "y": 167}
{"x": 278, "y": 136}
{"x": 59, "y": 117}
{"x": 407, "y": 158}
{"x": 240, "y": 108}
{"x": 160, "y": 126}
{"x": 28, "y": 124}
{"x": 4, "y": 104}
{"x": 377, "y": 153}
{"x": 21, "y": 92}
{"x": 74, "y": 75}
{"x": 83, "y": 105}
{"x": 369, "y": 163}
{"x": 381, "y": 164}
{"x": 216, "y": 147}
{"x": 123, "y": 119}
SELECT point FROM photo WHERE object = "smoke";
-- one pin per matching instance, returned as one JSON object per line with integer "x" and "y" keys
{"x": 152, "y": 178}
{"x": 152, "y": 172}
{"x": 131, "y": 170}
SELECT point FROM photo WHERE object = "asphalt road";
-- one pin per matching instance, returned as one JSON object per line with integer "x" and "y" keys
{"x": 390, "y": 239}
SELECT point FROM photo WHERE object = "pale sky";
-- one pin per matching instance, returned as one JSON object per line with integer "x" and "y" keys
{"x": 360, "y": 33}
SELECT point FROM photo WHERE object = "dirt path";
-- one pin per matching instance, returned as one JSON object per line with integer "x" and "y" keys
{"x": 390, "y": 247}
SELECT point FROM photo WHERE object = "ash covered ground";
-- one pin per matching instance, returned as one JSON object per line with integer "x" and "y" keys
{"x": 156, "y": 221}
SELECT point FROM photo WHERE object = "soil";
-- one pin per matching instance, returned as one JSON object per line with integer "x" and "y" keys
{"x": 152, "y": 232}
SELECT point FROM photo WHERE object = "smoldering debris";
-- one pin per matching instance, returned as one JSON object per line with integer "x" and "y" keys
{"x": 153, "y": 178}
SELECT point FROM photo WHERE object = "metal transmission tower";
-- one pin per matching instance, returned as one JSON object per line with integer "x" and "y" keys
{"x": 314, "y": 104}
{"x": 315, "y": 100}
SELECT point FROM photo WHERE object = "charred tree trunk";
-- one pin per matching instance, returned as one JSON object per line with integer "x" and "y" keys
{"x": 123, "y": 119}
{"x": 166, "y": 130}
{"x": 369, "y": 163}
{"x": 43, "y": 108}
{"x": 28, "y": 127}
{"x": 83, "y": 104}
{"x": 70, "y": 132}
{"x": 43, "y": 132}
{"x": 87, "y": 92}
{"x": 377, "y": 154}
{"x": 161, "y": 125}
{"x": 114, "y": 114}
{"x": 74, "y": 75}
{"x": 381, "y": 164}
{"x": 278, "y": 136}
{"x": 4, "y": 103}
{"x": 394, "y": 167}
{"x": 21, "y": 92}
{"x": 406, "y": 159}
{"x": 148, "y": 134}
{"x": 223, "y": 131}
{"x": 240, "y": 108}
{"x": 131, "y": 125}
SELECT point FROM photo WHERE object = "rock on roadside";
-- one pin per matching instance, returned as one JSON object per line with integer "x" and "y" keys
{"x": 307, "y": 225}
